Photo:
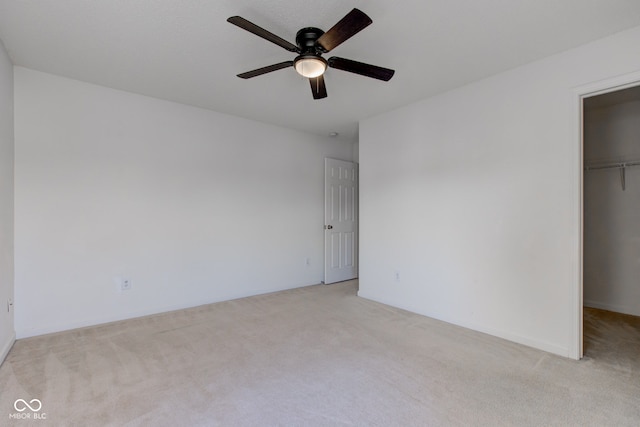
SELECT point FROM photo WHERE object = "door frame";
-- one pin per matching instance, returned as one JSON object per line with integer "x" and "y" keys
{"x": 576, "y": 349}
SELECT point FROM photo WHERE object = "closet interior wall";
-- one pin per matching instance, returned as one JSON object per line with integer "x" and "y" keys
{"x": 611, "y": 211}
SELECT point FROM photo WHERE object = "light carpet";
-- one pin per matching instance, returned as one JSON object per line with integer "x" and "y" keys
{"x": 316, "y": 356}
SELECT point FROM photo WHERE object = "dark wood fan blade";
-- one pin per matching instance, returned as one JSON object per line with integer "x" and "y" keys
{"x": 265, "y": 70}
{"x": 354, "y": 22}
{"x": 361, "y": 68}
{"x": 261, "y": 32}
{"x": 318, "y": 88}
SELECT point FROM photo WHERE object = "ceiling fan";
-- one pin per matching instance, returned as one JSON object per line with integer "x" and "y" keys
{"x": 311, "y": 43}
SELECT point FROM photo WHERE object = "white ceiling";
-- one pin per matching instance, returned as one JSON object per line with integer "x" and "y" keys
{"x": 185, "y": 51}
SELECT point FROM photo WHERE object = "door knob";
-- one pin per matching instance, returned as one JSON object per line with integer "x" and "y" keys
{"x": 329, "y": 227}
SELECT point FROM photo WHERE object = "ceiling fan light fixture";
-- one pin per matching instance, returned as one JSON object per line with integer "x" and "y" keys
{"x": 310, "y": 66}
{"x": 311, "y": 44}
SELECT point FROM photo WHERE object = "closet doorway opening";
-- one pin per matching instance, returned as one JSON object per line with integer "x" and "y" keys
{"x": 611, "y": 226}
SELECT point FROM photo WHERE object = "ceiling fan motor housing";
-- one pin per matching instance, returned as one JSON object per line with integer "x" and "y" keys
{"x": 306, "y": 40}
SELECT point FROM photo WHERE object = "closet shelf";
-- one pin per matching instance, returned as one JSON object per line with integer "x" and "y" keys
{"x": 617, "y": 165}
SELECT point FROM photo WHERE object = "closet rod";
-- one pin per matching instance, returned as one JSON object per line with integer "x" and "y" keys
{"x": 612, "y": 165}
{"x": 620, "y": 165}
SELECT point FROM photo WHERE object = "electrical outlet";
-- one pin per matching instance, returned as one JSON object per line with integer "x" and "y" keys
{"x": 122, "y": 284}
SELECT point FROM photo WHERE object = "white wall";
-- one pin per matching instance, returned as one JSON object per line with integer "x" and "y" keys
{"x": 472, "y": 197}
{"x": 193, "y": 206}
{"x": 611, "y": 228}
{"x": 7, "y": 335}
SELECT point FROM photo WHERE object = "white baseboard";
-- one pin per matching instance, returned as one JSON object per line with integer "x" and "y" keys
{"x": 102, "y": 320}
{"x": 612, "y": 307}
{"x": 506, "y": 335}
{"x": 7, "y": 346}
